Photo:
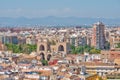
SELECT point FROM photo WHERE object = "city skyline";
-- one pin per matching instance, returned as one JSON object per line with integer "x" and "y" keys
{"x": 59, "y": 40}
{"x": 62, "y": 8}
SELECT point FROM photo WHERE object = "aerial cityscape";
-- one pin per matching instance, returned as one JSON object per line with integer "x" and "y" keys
{"x": 59, "y": 40}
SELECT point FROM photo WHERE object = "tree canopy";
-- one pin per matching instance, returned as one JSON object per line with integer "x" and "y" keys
{"x": 118, "y": 45}
{"x": 82, "y": 49}
{"x": 44, "y": 62}
{"x": 21, "y": 48}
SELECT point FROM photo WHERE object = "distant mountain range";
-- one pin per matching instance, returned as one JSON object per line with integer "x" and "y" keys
{"x": 51, "y": 20}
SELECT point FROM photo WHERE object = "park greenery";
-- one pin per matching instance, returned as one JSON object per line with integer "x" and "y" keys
{"x": 85, "y": 48}
{"x": 118, "y": 45}
{"x": 44, "y": 62}
{"x": 21, "y": 48}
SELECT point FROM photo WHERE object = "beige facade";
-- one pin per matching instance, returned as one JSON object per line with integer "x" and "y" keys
{"x": 46, "y": 48}
{"x": 114, "y": 40}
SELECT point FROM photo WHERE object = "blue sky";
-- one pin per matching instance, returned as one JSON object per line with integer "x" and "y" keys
{"x": 60, "y": 8}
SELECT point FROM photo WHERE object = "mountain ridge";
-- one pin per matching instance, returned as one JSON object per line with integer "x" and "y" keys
{"x": 52, "y": 20}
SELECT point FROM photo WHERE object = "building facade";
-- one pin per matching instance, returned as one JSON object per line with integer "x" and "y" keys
{"x": 46, "y": 49}
{"x": 98, "y": 35}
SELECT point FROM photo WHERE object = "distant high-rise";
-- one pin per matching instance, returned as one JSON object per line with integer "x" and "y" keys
{"x": 98, "y": 35}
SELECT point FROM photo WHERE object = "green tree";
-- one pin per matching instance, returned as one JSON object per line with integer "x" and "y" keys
{"x": 21, "y": 48}
{"x": 87, "y": 48}
{"x": 31, "y": 48}
{"x": 15, "y": 48}
{"x": 76, "y": 50}
{"x": 44, "y": 62}
{"x": 9, "y": 46}
{"x": 80, "y": 49}
{"x": 107, "y": 45}
{"x": 95, "y": 51}
{"x": 118, "y": 45}
{"x": 72, "y": 49}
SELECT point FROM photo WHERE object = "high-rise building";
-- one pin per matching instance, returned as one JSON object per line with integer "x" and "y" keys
{"x": 98, "y": 35}
{"x": 10, "y": 39}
